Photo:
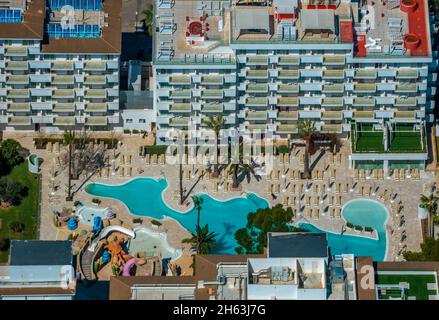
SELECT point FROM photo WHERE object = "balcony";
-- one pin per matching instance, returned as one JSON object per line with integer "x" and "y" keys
{"x": 212, "y": 80}
{"x": 17, "y": 65}
{"x": 259, "y": 127}
{"x": 63, "y": 94}
{"x": 332, "y": 115}
{"x": 331, "y": 128}
{"x": 405, "y": 115}
{"x": 18, "y": 79}
{"x": 332, "y": 102}
{"x": 179, "y": 121}
{"x": 256, "y": 102}
{"x": 95, "y": 80}
{"x": 333, "y": 74}
{"x": 62, "y": 65}
{"x": 257, "y": 74}
{"x": 212, "y": 94}
{"x": 95, "y": 66}
{"x": 96, "y": 107}
{"x": 365, "y": 74}
{"x": 288, "y": 101}
{"x": 407, "y": 74}
{"x": 363, "y": 115}
{"x": 64, "y": 107}
{"x": 95, "y": 94}
{"x": 63, "y": 79}
{"x": 335, "y": 87}
{"x": 180, "y": 79}
{"x": 256, "y": 115}
{"x": 289, "y": 60}
{"x": 96, "y": 121}
{"x": 19, "y": 121}
{"x": 287, "y": 128}
{"x": 19, "y": 93}
{"x": 288, "y": 74}
{"x": 365, "y": 87}
{"x": 181, "y": 94}
{"x": 257, "y": 88}
{"x": 180, "y": 107}
{"x": 288, "y": 88}
{"x": 64, "y": 121}
{"x": 19, "y": 107}
{"x": 333, "y": 59}
{"x": 211, "y": 108}
{"x": 405, "y": 102}
{"x": 257, "y": 60}
{"x": 16, "y": 51}
{"x": 287, "y": 115}
{"x": 364, "y": 101}
{"x": 406, "y": 87}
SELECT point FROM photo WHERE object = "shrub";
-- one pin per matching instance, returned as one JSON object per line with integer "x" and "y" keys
{"x": 155, "y": 149}
{"x": 368, "y": 229}
{"x": 127, "y": 131}
{"x": 96, "y": 201}
{"x": 349, "y": 225}
{"x": 11, "y": 192}
{"x": 137, "y": 220}
{"x": 4, "y": 244}
{"x": 156, "y": 223}
{"x": 135, "y": 131}
{"x": 17, "y": 226}
{"x": 358, "y": 228}
{"x": 77, "y": 203}
{"x": 283, "y": 149}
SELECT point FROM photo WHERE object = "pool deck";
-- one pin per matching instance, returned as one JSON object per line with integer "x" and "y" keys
{"x": 407, "y": 191}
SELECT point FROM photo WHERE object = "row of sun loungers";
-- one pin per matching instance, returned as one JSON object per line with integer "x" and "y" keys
{"x": 125, "y": 171}
{"x": 155, "y": 159}
{"x": 53, "y": 147}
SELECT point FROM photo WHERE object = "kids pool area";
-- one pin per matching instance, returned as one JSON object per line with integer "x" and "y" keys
{"x": 362, "y": 212}
{"x": 143, "y": 197}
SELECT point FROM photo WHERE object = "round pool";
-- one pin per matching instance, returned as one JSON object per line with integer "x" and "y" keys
{"x": 196, "y": 28}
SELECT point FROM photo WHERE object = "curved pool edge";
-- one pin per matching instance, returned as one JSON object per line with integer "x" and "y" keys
{"x": 165, "y": 217}
{"x": 384, "y": 223}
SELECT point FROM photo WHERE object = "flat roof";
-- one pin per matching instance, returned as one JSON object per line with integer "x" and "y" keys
{"x": 297, "y": 245}
{"x": 32, "y": 26}
{"x": 41, "y": 253}
{"x": 108, "y": 43}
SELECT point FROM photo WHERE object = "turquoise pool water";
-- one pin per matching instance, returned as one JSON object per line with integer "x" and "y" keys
{"x": 367, "y": 213}
{"x": 143, "y": 197}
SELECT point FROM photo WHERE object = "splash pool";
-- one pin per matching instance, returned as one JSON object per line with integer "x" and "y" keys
{"x": 366, "y": 213}
{"x": 143, "y": 197}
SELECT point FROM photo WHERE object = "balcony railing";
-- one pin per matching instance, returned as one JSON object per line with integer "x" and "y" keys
{"x": 333, "y": 74}
{"x": 95, "y": 66}
{"x": 288, "y": 74}
{"x": 96, "y": 107}
{"x": 18, "y": 79}
{"x": 406, "y": 87}
{"x": 18, "y": 93}
{"x": 336, "y": 87}
{"x": 96, "y": 121}
{"x": 331, "y": 128}
{"x": 16, "y": 51}
{"x": 257, "y": 60}
{"x": 285, "y": 88}
{"x": 64, "y": 121}
{"x": 63, "y": 79}
{"x": 365, "y": 87}
{"x": 288, "y": 101}
{"x": 332, "y": 115}
{"x": 363, "y": 115}
{"x": 212, "y": 94}
{"x": 407, "y": 73}
{"x": 256, "y": 115}
{"x": 63, "y": 93}
{"x": 257, "y": 87}
{"x": 211, "y": 108}
{"x": 333, "y": 59}
{"x": 408, "y": 102}
{"x": 365, "y": 74}
{"x": 19, "y": 107}
{"x": 64, "y": 107}
{"x": 180, "y": 79}
{"x": 332, "y": 101}
{"x": 289, "y": 60}
{"x": 364, "y": 101}
{"x": 62, "y": 65}
{"x": 212, "y": 79}
{"x": 256, "y": 101}
{"x": 17, "y": 65}
{"x": 287, "y": 115}
{"x": 257, "y": 74}
{"x": 95, "y": 79}
{"x": 181, "y": 94}
{"x": 405, "y": 115}
{"x": 20, "y": 120}
{"x": 180, "y": 107}
{"x": 179, "y": 121}
{"x": 287, "y": 128}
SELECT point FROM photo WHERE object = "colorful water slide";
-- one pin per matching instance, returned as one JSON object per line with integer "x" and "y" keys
{"x": 127, "y": 267}
{"x": 106, "y": 231}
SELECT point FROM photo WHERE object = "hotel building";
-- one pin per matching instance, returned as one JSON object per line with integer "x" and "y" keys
{"x": 358, "y": 69}
{"x": 59, "y": 64}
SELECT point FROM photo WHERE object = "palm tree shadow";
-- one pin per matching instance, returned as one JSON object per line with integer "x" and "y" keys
{"x": 221, "y": 241}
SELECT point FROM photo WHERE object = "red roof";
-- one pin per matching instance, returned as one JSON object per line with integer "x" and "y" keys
{"x": 418, "y": 26}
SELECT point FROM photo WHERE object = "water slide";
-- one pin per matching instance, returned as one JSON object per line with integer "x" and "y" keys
{"x": 127, "y": 267}
{"x": 106, "y": 231}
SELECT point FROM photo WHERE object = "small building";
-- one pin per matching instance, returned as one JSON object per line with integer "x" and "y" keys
{"x": 38, "y": 270}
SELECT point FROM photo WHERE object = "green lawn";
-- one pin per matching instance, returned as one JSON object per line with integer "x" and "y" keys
{"x": 26, "y": 212}
{"x": 370, "y": 141}
{"x": 407, "y": 141}
{"x": 418, "y": 284}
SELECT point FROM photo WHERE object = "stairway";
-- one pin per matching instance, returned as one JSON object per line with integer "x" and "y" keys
{"x": 86, "y": 264}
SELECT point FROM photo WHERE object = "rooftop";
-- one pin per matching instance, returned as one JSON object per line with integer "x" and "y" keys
{"x": 40, "y": 253}
{"x": 298, "y": 245}
{"x": 196, "y": 31}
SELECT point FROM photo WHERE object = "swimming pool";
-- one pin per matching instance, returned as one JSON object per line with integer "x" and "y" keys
{"x": 366, "y": 213}
{"x": 143, "y": 197}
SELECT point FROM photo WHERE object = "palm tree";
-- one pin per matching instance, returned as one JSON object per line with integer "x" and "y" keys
{"x": 198, "y": 203}
{"x": 306, "y": 128}
{"x": 148, "y": 20}
{"x": 430, "y": 203}
{"x": 206, "y": 240}
{"x": 216, "y": 124}
{"x": 69, "y": 140}
{"x": 239, "y": 166}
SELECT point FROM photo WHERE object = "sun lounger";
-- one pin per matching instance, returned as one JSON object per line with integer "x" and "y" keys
{"x": 308, "y": 213}
{"x": 147, "y": 159}
{"x": 285, "y": 201}
{"x": 315, "y": 214}
{"x": 49, "y": 147}
{"x": 314, "y": 188}
{"x": 161, "y": 159}
{"x": 338, "y": 212}
{"x": 330, "y": 200}
{"x": 276, "y": 188}
{"x": 129, "y": 171}
{"x": 215, "y": 186}
{"x": 356, "y": 174}
{"x": 337, "y": 187}
{"x": 121, "y": 171}
{"x": 316, "y": 201}
{"x": 269, "y": 188}
{"x": 287, "y": 158}
{"x": 308, "y": 200}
